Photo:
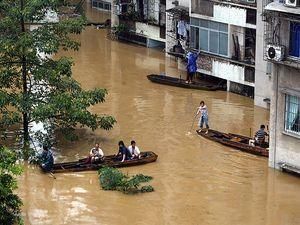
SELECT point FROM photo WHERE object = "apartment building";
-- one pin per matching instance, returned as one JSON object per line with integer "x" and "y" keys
{"x": 101, "y": 4}
{"x": 141, "y": 21}
{"x": 227, "y": 34}
{"x": 282, "y": 50}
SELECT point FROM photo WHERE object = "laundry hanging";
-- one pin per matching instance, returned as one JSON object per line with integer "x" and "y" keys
{"x": 181, "y": 28}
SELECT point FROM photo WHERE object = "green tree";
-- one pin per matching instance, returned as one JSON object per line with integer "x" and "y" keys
{"x": 113, "y": 179}
{"x": 34, "y": 86}
{"x": 10, "y": 203}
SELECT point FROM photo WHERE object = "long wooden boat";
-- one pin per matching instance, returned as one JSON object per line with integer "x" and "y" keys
{"x": 81, "y": 165}
{"x": 234, "y": 140}
{"x": 177, "y": 82}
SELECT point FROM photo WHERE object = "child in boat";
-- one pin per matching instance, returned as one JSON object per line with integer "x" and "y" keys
{"x": 123, "y": 153}
{"x": 96, "y": 153}
{"x": 134, "y": 150}
{"x": 203, "y": 117}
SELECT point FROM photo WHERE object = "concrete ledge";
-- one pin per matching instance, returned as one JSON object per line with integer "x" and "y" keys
{"x": 289, "y": 169}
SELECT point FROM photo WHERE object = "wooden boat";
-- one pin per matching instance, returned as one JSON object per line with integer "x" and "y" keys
{"x": 81, "y": 165}
{"x": 234, "y": 140}
{"x": 100, "y": 25}
{"x": 173, "y": 81}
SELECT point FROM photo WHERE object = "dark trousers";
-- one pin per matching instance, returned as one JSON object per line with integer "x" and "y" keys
{"x": 189, "y": 76}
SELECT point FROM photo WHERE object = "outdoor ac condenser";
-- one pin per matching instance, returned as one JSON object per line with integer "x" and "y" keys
{"x": 292, "y": 3}
{"x": 275, "y": 52}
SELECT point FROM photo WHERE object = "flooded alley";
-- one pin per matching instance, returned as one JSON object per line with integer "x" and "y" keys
{"x": 196, "y": 181}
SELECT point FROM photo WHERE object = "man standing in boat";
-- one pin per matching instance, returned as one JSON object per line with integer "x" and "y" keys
{"x": 203, "y": 117}
{"x": 96, "y": 153}
{"x": 191, "y": 66}
{"x": 47, "y": 159}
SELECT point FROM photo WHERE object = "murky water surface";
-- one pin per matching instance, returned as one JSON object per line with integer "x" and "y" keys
{"x": 196, "y": 181}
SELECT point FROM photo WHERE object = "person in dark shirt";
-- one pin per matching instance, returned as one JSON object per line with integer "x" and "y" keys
{"x": 47, "y": 159}
{"x": 260, "y": 136}
{"x": 123, "y": 153}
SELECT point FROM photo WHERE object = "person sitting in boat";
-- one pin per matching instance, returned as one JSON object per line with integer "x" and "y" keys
{"x": 96, "y": 154}
{"x": 134, "y": 150}
{"x": 260, "y": 136}
{"x": 47, "y": 159}
{"x": 123, "y": 153}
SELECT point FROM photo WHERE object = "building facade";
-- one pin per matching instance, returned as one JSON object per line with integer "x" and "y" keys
{"x": 140, "y": 21}
{"x": 101, "y": 4}
{"x": 282, "y": 49}
{"x": 226, "y": 34}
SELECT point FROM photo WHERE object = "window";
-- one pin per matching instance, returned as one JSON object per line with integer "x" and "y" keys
{"x": 251, "y": 16}
{"x": 209, "y": 36}
{"x": 292, "y": 117}
{"x": 295, "y": 39}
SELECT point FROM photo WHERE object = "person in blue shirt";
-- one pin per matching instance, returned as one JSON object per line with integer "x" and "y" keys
{"x": 123, "y": 153}
{"x": 191, "y": 66}
{"x": 47, "y": 159}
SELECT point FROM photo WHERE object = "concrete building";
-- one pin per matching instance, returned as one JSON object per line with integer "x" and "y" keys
{"x": 282, "y": 49}
{"x": 231, "y": 48}
{"x": 142, "y": 21}
{"x": 101, "y": 4}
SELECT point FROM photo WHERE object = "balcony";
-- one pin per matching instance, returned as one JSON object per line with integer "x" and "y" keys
{"x": 282, "y": 34}
{"x": 281, "y": 8}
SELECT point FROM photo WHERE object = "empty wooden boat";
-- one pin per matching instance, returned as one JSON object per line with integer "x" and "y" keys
{"x": 180, "y": 82}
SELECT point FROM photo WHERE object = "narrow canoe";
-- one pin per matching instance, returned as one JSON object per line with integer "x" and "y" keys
{"x": 177, "y": 82}
{"x": 80, "y": 165}
{"x": 234, "y": 140}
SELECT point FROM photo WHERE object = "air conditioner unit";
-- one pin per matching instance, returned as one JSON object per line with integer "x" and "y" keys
{"x": 292, "y": 3}
{"x": 275, "y": 52}
{"x": 251, "y": 1}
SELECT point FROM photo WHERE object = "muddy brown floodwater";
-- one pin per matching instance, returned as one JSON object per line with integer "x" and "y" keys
{"x": 196, "y": 181}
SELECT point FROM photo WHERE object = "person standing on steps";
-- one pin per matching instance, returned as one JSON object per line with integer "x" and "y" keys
{"x": 203, "y": 117}
{"x": 191, "y": 66}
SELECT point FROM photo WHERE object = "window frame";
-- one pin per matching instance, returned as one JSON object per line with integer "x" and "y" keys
{"x": 289, "y": 45}
{"x": 287, "y": 123}
{"x": 208, "y": 29}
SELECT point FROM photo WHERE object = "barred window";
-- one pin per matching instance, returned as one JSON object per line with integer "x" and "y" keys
{"x": 292, "y": 114}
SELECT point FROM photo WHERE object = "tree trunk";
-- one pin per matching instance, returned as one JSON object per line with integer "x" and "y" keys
{"x": 24, "y": 80}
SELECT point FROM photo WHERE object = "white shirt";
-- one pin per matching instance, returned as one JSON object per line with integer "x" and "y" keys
{"x": 135, "y": 151}
{"x": 98, "y": 151}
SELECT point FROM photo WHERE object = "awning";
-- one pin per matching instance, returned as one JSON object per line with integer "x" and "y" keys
{"x": 280, "y": 7}
{"x": 179, "y": 11}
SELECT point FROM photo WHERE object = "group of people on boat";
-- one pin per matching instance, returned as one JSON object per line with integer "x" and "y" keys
{"x": 259, "y": 138}
{"x": 124, "y": 153}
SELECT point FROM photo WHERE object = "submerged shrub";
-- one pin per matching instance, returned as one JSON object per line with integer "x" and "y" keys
{"x": 114, "y": 179}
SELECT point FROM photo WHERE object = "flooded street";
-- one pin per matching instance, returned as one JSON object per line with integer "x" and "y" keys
{"x": 196, "y": 181}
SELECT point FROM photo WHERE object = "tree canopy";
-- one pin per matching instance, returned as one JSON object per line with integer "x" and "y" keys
{"x": 10, "y": 203}
{"x": 35, "y": 86}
